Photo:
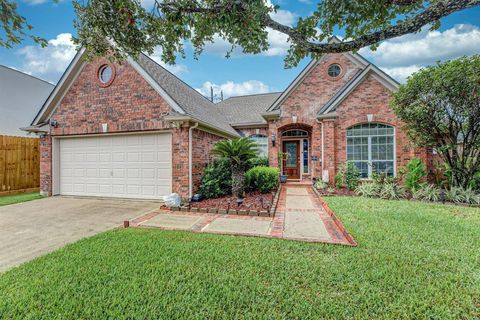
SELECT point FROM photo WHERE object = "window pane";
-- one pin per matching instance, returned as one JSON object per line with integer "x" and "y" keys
{"x": 262, "y": 144}
{"x": 305, "y": 155}
{"x": 381, "y": 147}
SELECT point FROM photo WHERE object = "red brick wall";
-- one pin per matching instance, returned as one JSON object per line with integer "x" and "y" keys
{"x": 370, "y": 97}
{"x": 128, "y": 104}
{"x": 202, "y": 143}
{"x": 46, "y": 165}
{"x": 305, "y": 101}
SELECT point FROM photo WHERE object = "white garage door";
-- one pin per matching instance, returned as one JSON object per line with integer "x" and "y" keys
{"x": 126, "y": 166}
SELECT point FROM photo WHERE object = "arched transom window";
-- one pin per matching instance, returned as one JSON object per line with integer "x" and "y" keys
{"x": 371, "y": 147}
{"x": 295, "y": 133}
{"x": 262, "y": 143}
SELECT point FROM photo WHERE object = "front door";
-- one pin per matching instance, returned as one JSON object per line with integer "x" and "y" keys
{"x": 291, "y": 163}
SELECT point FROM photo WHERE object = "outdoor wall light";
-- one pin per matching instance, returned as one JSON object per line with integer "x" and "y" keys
{"x": 53, "y": 123}
{"x": 274, "y": 138}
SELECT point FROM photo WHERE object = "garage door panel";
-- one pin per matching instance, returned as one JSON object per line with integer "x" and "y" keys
{"x": 134, "y": 166}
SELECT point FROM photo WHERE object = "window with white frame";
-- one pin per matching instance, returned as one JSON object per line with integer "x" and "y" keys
{"x": 262, "y": 143}
{"x": 371, "y": 147}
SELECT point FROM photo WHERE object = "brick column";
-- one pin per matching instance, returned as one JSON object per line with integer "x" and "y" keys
{"x": 329, "y": 148}
{"x": 316, "y": 150}
{"x": 273, "y": 150}
{"x": 180, "y": 183}
{"x": 46, "y": 165}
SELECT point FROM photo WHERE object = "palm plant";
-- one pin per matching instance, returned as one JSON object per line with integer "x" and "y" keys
{"x": 239, "y": 151}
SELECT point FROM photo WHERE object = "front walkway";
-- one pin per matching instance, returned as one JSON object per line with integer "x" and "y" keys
{"x": 299, "y": 216}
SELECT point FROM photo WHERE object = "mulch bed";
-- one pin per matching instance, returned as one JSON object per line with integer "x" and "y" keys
{"x": 337, "y": 192}
{"x": 255, "y": 201}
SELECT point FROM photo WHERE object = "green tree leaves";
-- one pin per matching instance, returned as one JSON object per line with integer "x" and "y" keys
{"x": 440, "y": 106}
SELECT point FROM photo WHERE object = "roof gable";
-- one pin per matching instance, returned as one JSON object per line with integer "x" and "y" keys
{"x": 353, "y": 83}
{"x": 183, "y": 99}
{"x": 355, "y": 58}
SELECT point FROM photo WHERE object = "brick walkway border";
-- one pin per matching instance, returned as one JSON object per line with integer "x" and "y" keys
{"x": 333, "y": 218}
{"x": 335, "y": 228}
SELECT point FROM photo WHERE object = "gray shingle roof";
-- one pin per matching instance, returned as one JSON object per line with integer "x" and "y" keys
{"x": 246, "y": 109}
{"x": 190, "y": 100}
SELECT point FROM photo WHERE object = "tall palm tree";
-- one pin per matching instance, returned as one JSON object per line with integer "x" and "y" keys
{"x": 238, "y": 151}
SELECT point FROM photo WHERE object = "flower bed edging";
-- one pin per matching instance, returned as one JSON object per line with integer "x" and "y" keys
{"x": 261, "y": 213}
{"x": 337, "y": 221}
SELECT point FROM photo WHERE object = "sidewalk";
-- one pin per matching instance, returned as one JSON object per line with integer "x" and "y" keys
{"x": 299, "y": 216}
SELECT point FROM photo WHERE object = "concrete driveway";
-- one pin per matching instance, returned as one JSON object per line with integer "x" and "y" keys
{"x": 31, "y": 229}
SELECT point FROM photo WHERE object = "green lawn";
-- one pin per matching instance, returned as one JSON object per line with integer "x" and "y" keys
{"x": 414, "y": 261}
{"x": 5, "y": 200}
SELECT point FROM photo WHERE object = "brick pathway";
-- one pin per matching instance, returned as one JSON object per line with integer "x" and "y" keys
{"x": 300, "y": 215}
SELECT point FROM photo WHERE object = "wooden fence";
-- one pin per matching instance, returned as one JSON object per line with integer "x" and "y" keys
{"x": 19, "y": 164}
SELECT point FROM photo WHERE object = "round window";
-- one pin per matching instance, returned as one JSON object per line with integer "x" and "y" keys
{"x": 105, "y": 73}
{"x": 334, "y": 70}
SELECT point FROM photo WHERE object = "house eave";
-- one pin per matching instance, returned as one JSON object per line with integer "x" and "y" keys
{"x": 37, "y": 129}
{"x": 327, "y": 116}
{"x": 248, "y": 125}
{"x": 179, "y": 120}
{"x": 272, "y": 115}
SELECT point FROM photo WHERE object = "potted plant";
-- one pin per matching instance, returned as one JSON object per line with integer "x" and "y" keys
{"x": 282, "y": 156}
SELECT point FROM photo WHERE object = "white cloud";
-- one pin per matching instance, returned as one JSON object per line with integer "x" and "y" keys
{"x": 401, "y": 73}
{"x": 231, "y": 89}
{"x": 460, "y": 40}
{"x": 49, "y": 62}
{"x": 35, "y": 1}
{"x": 175, "y": 69}
{"x": 284, "y": 17}
{"x": 404, "y": 55}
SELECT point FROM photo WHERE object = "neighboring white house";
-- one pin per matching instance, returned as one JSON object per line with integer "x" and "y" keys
{"x": 21, "y": 96}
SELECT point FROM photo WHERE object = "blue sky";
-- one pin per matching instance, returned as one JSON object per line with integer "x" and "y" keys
{"x": 243, "y": 74}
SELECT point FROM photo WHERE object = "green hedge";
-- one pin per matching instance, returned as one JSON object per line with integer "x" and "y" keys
{"x": 263, "y": 179}
{"x": 217, "y": 179}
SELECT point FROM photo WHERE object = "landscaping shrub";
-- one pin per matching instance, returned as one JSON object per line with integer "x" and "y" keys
{"x": 460, "y": 195}
{"x": 369, "y": 190}
{"x": 320, "y": 185}
{"x": 474, "y": 183}
{"x": 347, "y": 176}
{"x": 263, "y": 179}
{"x": 257, "y": 162}
{"x": 455, "y": 194}
{"x": 415, "y": 171}
{"x": 382, "y": 178}
{"x": 238, "y": 151}
{"x": 217, "y": 179}
{"x": 426, "y": 192}
{"x": 470, "y": 197}
{"x": 392, "y": 191}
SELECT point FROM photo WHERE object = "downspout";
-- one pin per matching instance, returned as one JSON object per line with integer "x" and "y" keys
{"x": 190, "y": 160}
{"x": 322, "y": 148}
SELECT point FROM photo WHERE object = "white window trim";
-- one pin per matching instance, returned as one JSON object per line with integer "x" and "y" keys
{"x": 369, "y": 161}
{"x": 303, "y": 157}
{"x": 264, "y": 136}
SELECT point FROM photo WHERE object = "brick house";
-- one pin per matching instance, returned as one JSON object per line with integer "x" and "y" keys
{"x": 134, "y": 130}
